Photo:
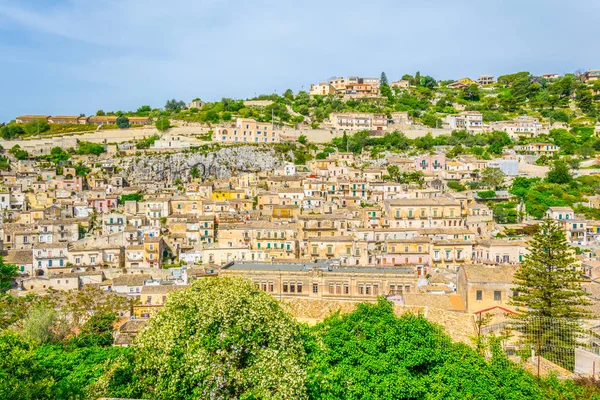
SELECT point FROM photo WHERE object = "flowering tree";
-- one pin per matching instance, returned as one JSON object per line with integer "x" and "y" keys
{"x": 221, "y": 338}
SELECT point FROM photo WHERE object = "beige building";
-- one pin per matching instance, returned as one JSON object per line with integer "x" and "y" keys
{"x": 539, "y": 149}
{"x": 402, "y": 84}
{"x": 358, "y": 121}
{"x": 522, "y": 126}
{"x": 424, "y": 213}
{"x": 247, "y": 130}
{"x": 320, "y": 281}
{"x": 485, "y": 80}
{"x": 484, "y": 287}
{"x": 322, "y": 89}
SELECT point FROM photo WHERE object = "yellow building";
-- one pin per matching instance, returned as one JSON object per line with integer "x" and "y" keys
{"x": 227, "y": 194}
{"x": 468, "y": 81}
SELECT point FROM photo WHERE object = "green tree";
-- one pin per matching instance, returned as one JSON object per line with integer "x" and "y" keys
{"x": 174, "y": 105}
{"x": 11, "y": 130}
{"x": 57, "y": 154}
{"x": 428, "y": 82}
{"x": 221, "y": 338}
{"x": 100, "y": 113}
{"x": 383, "y": 81}
{"x": 7, "y": 273}
{"x": 123, "y": 122}
{"x": 90, "y": 148}
{"x": 431, "y": 120}
{"x": 585, "y": 100}
{"x": 36, "y": 127}
{"x": 18, "y": 153}
{"x": 372, "y": 354}
{"x": 144, "y": 110}
{"x": 81, "y": 169}
{"x": 471, "y": 93}
{"x": 288, "y": 94}
{"x": 96, "y": 331}
{"x": 549, "y": 295}
{"x": 493, "y": 177}
{"x": 163, "y": 124}
{"x": 302, "y": 140}
{"x": 195, "y": 173}
{"x": 43, "y": 324}
{"x": 559, "y": 173}
{"x": 394, "y": 172}
{"x": 130, "y": 197}
{"x": 21, "y": 376}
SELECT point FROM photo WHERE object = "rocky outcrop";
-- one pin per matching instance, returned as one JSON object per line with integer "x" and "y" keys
{"x": 221, "y": 163}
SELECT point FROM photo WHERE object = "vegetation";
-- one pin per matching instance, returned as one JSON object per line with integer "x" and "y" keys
{"x": 145, "y": 143}
{"x": 123, "y": 122}
{"x": 224, "y": 338}
{"x": 18, "y": 153}
{"x": 549, "y": 295}
{"x": 7, "y": 273}
{"x": 90, "y": 148}
{"x": 130, "y": 197}
{"x": 163, "y": 124}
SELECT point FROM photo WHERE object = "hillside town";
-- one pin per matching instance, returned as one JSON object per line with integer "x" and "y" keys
{"x": 320, "y": 214}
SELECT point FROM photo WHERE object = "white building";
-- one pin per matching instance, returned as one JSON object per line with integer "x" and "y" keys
{"x": 471, "y": 121}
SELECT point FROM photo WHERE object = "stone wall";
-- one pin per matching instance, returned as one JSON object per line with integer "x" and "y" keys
{"x": 459, "y": 326}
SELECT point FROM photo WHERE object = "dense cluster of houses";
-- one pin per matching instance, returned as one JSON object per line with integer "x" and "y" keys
{"x": 329, "y": 230}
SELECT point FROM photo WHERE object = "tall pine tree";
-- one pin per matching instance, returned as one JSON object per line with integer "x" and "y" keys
{"x": 383, "y": 81}
{"x": 549, "y": 296}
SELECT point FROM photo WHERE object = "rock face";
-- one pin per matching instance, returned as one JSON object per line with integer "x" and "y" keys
{"x": 220, "y": 163}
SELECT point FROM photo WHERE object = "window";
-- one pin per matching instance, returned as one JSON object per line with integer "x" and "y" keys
{"x": 361, "y": 289}
{"x": 338, "y": 288}
{"x": 479, "y": 295}
{"x": 285, "y": 287}
{"x": 331, "y": 288}
{"x": 263, "y": 286}
{"x": 299, "y": 287}
{"x": 271, "y": 287}
{"x": 346, "y": 288}
{"x": 497, "y": 295}
{"x": 368, "y": 289}
{"x": 315, "y": 288}
{"x": 292, "y": 287}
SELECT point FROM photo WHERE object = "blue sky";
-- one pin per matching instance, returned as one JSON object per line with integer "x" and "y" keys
{"x": 78, "y": 56}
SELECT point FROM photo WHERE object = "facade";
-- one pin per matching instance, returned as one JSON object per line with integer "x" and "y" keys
{"x": 358, "y": 121}
{"x": 539, "y": 149}
{"x": 247, "y": 130}
{"x": 483, "y": 287}
{"x": 592, "y": 75}
{"x": 103, "y": 120}
{"x": 28, "y": 118}
{"x": 523, "y": 126}
{"x": 471, "y": 121}
{"x": 322, "y": 89}
{"x": 401, "y": 84}
{"x": 64, "y": 119}
{"x": 320, "y": 281}
{"x": 485, "y": 80}
{"x": 430, "y": 163}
